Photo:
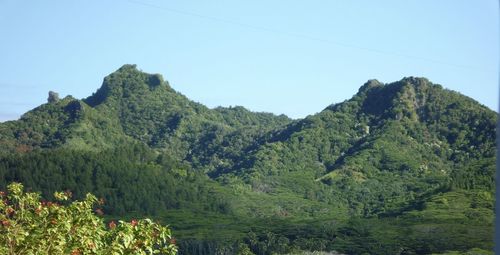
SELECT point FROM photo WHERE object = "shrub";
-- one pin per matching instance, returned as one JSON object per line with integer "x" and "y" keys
{"x": 30, "y": 226}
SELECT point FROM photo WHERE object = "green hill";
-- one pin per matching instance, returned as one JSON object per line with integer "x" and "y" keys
{"x": 400, "y": 168}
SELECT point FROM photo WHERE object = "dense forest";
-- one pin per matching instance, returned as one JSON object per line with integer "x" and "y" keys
{"x": 400, "y": 168}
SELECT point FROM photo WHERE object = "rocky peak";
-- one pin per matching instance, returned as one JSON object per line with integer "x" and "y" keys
{"x": 127, "y": 82}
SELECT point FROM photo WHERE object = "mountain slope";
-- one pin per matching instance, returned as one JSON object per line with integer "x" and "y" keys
{"x": 137, "y": 105}
{"x": 409, "y": 153}
{"x": 388, "y": 139}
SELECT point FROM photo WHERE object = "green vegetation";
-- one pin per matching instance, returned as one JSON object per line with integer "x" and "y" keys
{"x": 31, "y": 226}
{"x": 400, "y": 168}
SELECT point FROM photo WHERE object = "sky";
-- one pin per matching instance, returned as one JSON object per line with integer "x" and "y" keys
{"x": 290, "y": 57}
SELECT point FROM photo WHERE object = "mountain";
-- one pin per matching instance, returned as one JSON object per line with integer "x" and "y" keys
{"x": 400, "y": 168}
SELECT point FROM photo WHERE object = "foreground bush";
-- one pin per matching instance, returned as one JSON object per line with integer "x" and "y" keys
{"x": 29, "y": 226}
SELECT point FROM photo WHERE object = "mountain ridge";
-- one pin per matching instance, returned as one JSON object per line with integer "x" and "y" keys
{"x": 392, "y": 151}
{"x": 134, "y": 105}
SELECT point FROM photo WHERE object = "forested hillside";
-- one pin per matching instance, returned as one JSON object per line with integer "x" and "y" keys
{"x": 400, "y": 168}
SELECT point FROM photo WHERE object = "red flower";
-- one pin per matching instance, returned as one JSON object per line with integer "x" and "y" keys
{"x": 112, "y": 224}
{"x": 5, "y": 223}
{"x": 173, "y": 241}
{"x": 2, "y": 193}
{"x": 99, "y": 211}
{"x": 9, "y": 210}
{"x": 53, "y": 222}
{"x": 133, "y": 223}
{"x": 76, "y": 252}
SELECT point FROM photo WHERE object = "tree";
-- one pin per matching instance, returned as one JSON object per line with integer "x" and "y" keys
{"x": 29, "y": 226}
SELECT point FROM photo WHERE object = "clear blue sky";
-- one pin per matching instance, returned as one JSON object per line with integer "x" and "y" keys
{"x": 292, "y": 57}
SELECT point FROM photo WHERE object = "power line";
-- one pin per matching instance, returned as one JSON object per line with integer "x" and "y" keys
{"x": 308, "y": 37}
